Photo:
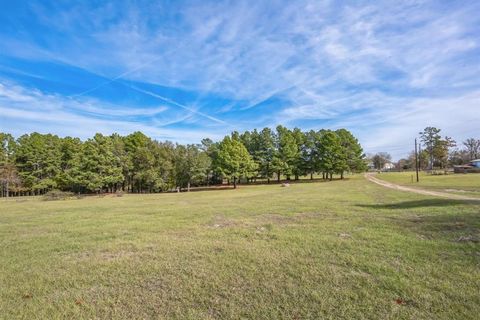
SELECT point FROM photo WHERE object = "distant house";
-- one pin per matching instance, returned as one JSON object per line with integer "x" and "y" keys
{"x": 475, "y": 163}
{"x": 388, "y": 166}
{"x": 472, "y": 167}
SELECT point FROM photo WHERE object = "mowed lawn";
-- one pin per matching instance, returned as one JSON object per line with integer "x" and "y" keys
{"x": 466, "y": 184}
{"x": 327, "y": 250}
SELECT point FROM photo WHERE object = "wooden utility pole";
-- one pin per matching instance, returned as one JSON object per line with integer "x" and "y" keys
{"x": 416, "y": 158}
{"x": 419, "y": 156}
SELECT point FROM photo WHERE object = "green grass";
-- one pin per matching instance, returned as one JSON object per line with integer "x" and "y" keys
{"x": 468, "y": 184}
{"x": 342, "y": 249}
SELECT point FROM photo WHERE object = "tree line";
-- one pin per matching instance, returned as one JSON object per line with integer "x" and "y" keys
{"x": 435, "y": 152}
{"x": 36, "y": 163}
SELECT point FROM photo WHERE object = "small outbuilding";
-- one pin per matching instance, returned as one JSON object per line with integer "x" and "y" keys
{"x": 475, "y": 163}
{"x": 472, "y": 167}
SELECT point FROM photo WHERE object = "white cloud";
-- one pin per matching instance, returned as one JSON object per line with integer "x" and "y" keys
{"x": 383, "y": 69}
{"x": 30, "y": 111}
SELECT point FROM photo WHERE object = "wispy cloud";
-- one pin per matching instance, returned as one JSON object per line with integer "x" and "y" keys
{"x": 36, "y": 111}
{"x": 383, "y": 70}
{"x": 170, "y": 101}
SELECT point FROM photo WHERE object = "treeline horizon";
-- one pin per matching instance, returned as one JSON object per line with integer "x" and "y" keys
{"x": 434, "y": 152}
{"x": 35, "y": 163}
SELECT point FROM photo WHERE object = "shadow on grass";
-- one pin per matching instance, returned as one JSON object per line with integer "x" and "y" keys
{"x": 259, "y": 183}
{"x": 420, "y": 204}
{"x": 459, "y": 227}
{"x": 453, "y": 224}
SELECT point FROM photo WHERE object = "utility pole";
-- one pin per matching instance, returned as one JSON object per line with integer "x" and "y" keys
{"x": 419, "y": 156}
{"x": 416, "y": 158}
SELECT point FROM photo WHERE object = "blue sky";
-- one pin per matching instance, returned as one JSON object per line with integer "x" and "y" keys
{"x": 185, "y": 70}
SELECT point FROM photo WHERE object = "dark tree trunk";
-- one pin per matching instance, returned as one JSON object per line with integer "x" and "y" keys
{"x": 311, "y": 175}
{"x": 234, "y": 182}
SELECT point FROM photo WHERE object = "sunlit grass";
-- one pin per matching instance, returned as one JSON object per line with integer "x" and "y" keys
{"x": 468, "y": 184}
{"x": 342, "y": 249}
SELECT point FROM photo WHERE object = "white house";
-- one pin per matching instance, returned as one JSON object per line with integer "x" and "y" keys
{"x": 388, "y": 166}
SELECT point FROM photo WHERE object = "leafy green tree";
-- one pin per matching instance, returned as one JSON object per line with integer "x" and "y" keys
{"x": 266, "y": 153}
{"x": 234, "y": 161}
{"x": 96, "y": 168}
{"x": 191, "y": 165}
{"x": 330, "y": 154}
{"x": 70, "y": 149}
{"x": 298, "y": 162}
{"x": 251, "y": 141}
{"x": 165, "y": 164}
{"x": 37, "y": 163}
{"x": 38, "y": 159}
{"x": 310, "y": 153}
{"x": 436, "y": 147}
{"x": 352, "y": 156}
{"x": 211, "y": 149}
{"x": 441, "y": 151}
{"x": 141, "y": 174}
{"x": 144, "y": 173}
{"x": 287, "y": 152}
{"x": 7, "y": 147}
{"x": 430, "y": 137}
{"x": 121, "y": 155}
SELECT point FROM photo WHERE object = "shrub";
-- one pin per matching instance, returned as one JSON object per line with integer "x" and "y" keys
{"x": 57, "y": 195}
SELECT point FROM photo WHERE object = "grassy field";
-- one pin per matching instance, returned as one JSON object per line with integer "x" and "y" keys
{"x": 333, "y": 250}
{"x": 467, "y": 184}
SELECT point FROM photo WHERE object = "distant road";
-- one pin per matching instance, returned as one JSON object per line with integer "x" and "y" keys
{"x": 371, "y": 176}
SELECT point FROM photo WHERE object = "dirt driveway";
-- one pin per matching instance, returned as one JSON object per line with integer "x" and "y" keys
{"x": 372, "y": 178}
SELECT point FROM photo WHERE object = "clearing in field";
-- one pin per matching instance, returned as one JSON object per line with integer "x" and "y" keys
{"x": 342, "y": 249}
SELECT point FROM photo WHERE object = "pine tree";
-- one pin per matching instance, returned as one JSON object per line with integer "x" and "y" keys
{"x": 287, "y": 152}
{"x": 96, "y": 168}
{"x": 38, "y": 159}
{"x": 352, "y": 157}
{"x": 330, "y": 154}
{"x": 266, "y": 152}
{"x": 234, "y": 161}
{"x": 191, "y": 165}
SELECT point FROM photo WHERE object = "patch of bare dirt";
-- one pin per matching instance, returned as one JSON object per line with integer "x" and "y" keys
{"x": 468, "y": 238}
{"x": 222, "y": 222}
{"x": 344, "y": 235}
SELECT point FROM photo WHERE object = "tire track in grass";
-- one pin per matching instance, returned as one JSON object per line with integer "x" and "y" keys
{"x": 371, "y": 177}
